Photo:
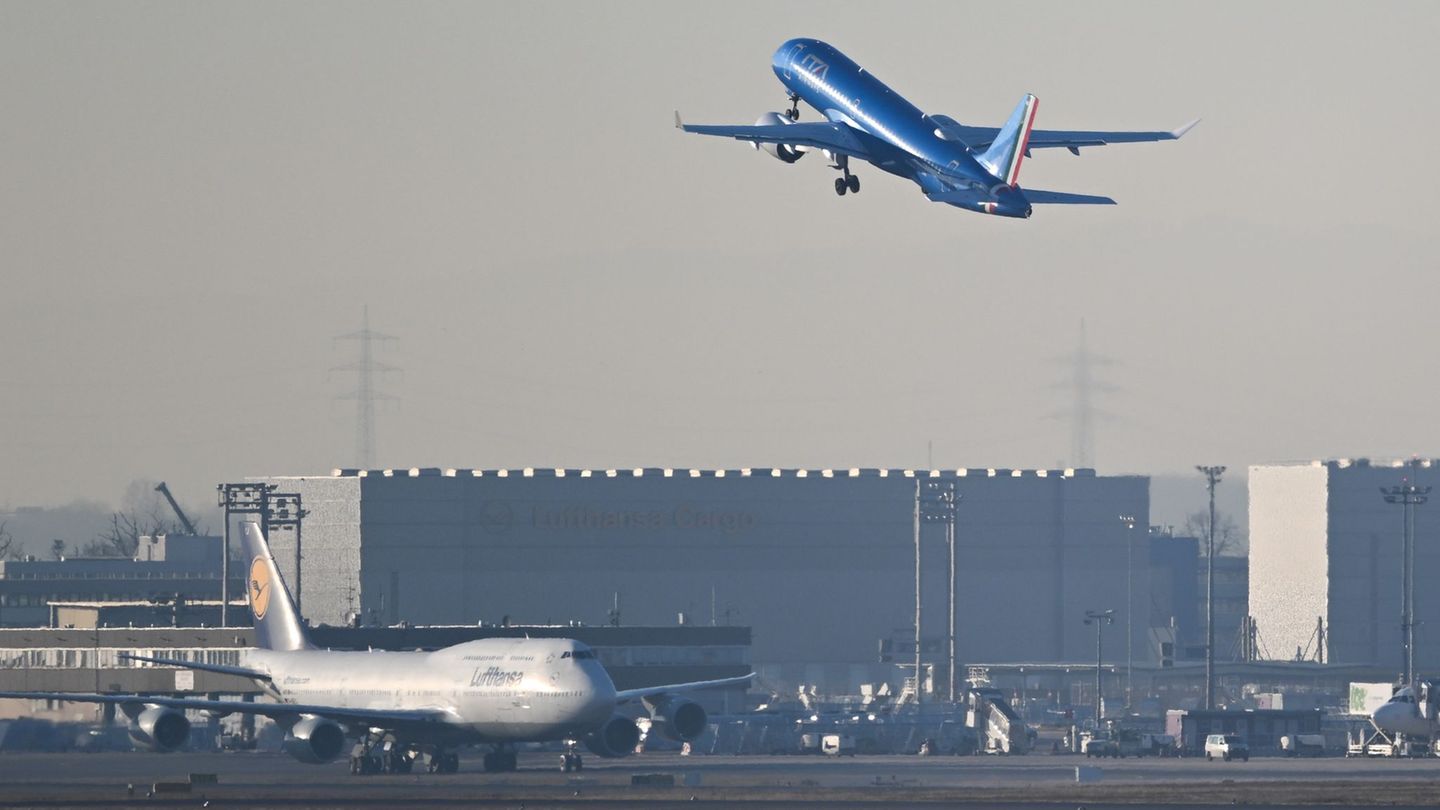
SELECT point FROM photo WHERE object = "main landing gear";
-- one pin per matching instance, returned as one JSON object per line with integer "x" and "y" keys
{"x": 500, "y": 760}
{"x": 794, "y": 112}
{"x": 846, "y": 181}
{"x": 443, "y": 762}
{"x": 372, "y": 755}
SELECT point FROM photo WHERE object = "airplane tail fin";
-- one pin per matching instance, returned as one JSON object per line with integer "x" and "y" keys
{"x": 277, "y": 622}
{"x": 1003, "y": 157}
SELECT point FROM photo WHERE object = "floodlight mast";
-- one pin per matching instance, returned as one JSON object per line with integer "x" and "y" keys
{"x": 1212, "y": 477}
{"x": 1099, "y": 618}
{"x": 1408, "y": 496}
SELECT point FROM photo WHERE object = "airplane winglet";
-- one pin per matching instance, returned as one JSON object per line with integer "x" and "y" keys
{"x": 1176, "y": 133}
{"x": 680, "y": 125}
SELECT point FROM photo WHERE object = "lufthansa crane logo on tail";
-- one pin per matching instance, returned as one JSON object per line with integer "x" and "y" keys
{"x": 259, "y": 587}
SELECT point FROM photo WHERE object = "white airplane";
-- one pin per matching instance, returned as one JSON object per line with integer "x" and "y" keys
{"x": 1403, "y": 714}
{"x": 405, "y": 708}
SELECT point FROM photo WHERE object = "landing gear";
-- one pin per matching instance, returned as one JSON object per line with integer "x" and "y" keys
{"x": 846, "y": 181}
{"x": 794, "y": 112}
{"x": 398, "y": 762}
{"x": 366, "y": 757}
{"x": 500, "y": 761}
{"x": 443, "y": 762}
{"x": 366, "y": 764}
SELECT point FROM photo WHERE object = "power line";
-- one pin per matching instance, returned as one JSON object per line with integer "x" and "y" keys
{"x": 364, "y": 394}
{"x": 1083, "y": 413}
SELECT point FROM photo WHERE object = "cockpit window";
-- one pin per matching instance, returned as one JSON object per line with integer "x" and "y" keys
{"x": 581, "y": 654}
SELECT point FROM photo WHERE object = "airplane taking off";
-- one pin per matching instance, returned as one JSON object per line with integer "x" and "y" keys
{"x": 412, "y": 707}
{"x": 975, "y": 168}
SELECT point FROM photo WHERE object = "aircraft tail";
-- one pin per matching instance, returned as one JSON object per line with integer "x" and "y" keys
{"x": 1011, "y": 143}
{"x": 277, "y": 622}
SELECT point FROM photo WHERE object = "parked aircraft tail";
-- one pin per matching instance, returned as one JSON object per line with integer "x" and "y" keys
{"x": 277, "y": 622}
{"x": 1003, "y": 157}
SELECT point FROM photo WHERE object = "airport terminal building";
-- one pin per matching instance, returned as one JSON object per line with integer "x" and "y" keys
{"x": 820, "y": 563}
{"x": 1325, "y": 547}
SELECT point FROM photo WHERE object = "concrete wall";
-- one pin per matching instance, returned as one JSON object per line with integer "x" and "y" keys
{"x": 1323, "y": 542}
{"x": 1289, "y": 573}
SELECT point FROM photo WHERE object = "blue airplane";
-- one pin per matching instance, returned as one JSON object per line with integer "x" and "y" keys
{"x": 975, "y": 168}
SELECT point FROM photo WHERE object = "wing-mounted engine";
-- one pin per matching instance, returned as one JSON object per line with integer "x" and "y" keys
{"x": 677, "y": 718}
{"x": 779, "y": 151}
{"x": 158, "y": 728}
{"x": 314, "y": 740}
{"x": 616, "y": 738}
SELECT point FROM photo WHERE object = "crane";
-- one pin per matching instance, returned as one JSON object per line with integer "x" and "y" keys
{"x": 180, "y": 513}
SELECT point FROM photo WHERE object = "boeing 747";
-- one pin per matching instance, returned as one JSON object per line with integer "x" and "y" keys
{"x": 408, "y": 708}
{"x": 975, "y": 168}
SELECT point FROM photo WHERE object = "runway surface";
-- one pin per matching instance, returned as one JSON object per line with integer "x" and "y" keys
{"x": 1037, "y": 781}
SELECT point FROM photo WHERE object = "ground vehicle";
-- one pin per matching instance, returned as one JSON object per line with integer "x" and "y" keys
{"x": 837, "y": 745}
{"x": 1093, "y": 746}
{"x": 1128, "y": 743}
{"x": 1227, "y": 747}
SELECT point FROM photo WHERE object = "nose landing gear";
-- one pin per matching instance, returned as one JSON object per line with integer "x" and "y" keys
{"x": 794, "y": 112}
{"x": 570, "y": 760}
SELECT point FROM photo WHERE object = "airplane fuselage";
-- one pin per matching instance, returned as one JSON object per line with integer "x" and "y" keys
{"x": 903, "y": 139}
{"x": 494, "y": 690}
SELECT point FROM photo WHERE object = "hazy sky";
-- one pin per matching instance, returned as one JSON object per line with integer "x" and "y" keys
{"x": 196, "y": 197}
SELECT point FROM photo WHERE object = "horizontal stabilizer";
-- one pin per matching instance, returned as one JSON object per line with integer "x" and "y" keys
{"x": 1037, "y": 197}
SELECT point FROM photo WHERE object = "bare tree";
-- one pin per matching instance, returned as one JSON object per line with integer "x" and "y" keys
{"x": 143, "y": 513}
{"x": 1229, "y": 537}
{"x": 57, "y": 548}
{"x": 7, "y": 542}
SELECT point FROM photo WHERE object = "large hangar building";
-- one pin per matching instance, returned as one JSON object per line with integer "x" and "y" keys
{"x": 1325, "y": 551}
{"x": 819, "y": 563}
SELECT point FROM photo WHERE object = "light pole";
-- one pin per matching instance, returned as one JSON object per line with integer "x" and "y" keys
{"x": 1212, "y": 477}
{"x": 935, "y": 502}
{"x": 1099, "y": 618}
{"x": 1408, "y": 496}
{"x": 1129, "y": 521}
{"x": 918, "y": 676}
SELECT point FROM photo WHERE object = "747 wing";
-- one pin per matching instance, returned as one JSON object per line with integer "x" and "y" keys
{"x": 368, "y": 717}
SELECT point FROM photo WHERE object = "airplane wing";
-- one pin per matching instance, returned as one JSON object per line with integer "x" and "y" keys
{"x": 830, "y": 135}
{"x": 242, "y": 672}
{"x": 1073, "y": 139}
{"x": 627, "y": 695}
{"x": 377, "y": 717}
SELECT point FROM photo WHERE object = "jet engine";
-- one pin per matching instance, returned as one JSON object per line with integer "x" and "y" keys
{"x": 780, "y": 151}
{"x": 314, "y": 740}
{"x": 677, "y": 718}
{"x": 616, "y": 738}
{"x": 159, "y": 728}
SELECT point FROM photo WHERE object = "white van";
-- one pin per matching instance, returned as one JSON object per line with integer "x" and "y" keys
{"x": 1227, "y": 747}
